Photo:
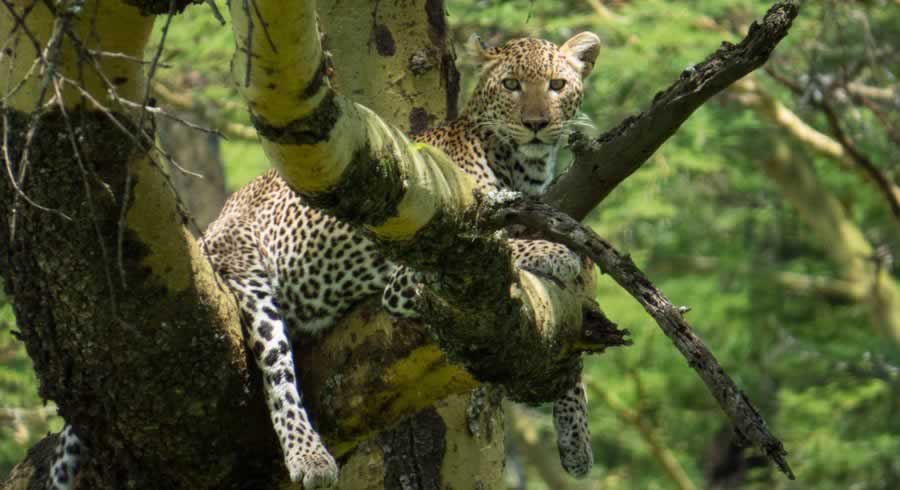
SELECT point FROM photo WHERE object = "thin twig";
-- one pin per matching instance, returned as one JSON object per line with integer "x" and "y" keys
{"x": 8, "y": 158}
{"x": 889, "y": 128}
{"x": 12, "y": 178}
{"x": 151, "y": 143}
{"x": 20, "y": 21}
{"x": 21, "y": 83}
{"x": 215, "y": 11}
{"x": 152, "y": 71}
{"x": 507, "y": 208}
{"x": 110, "y": 54}
{"x": 884, "y": 185}
{"x": 110, "y": 88}
{"x": 160, "y": 111}
{"x": 861, "y": 160}
{"x": 121, "y": 227}
{"x": 48, "y": 56}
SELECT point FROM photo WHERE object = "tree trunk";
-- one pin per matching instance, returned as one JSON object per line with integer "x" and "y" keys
{"x": 114, "y": 299}
{"x": 406, "y": 74}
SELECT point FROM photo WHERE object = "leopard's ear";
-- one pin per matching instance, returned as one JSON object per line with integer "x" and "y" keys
{"x": 582, "y": 50}
{"x": 478, "y": 52}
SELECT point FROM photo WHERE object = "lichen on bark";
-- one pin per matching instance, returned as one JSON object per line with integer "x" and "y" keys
{"x": 111, "y": 353}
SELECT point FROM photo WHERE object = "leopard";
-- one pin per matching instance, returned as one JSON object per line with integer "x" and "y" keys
{"x": 296, "y": 270}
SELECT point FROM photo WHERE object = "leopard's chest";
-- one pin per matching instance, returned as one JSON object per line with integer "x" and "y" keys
{"x": 493, "y": 163}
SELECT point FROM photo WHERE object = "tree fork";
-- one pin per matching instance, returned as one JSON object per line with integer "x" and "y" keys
{"x": 347, "y": 161}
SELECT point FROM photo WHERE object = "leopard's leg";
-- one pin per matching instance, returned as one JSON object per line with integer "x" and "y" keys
{"x": 400, "y": 295}
{"x": 548, "y": 259}
{"x": 573, "y": 436}
{"x": 66, "y": 460}
{"x": 570, "y": 413}
{"x": 563, "y": 266}
{"x": 305, "y": 456}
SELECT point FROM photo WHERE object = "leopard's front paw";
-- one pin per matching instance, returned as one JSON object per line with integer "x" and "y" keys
{"x": 314, "y": 467}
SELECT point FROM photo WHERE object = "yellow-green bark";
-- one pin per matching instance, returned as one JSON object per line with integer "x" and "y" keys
{"x": 381, "y": 78}
{"x": 402, "y": 70}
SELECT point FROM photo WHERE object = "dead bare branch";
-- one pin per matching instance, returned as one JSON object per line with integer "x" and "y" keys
{"x": 600, "y": 165}
{"x": 109, "y": 54}
{"x": 207, "y": 111}
{"x": 169, "y": 115}
{"x": 508, "y": 208}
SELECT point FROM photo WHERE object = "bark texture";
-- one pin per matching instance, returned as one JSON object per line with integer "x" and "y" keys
{"x": 406, "y": 74}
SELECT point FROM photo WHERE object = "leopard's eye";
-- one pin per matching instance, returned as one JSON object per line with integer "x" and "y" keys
{"x": 511, "y": 84}
{"x": 557, "y": 84}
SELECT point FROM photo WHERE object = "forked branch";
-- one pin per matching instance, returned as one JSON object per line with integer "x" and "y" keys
{"x": 509, "y": 208}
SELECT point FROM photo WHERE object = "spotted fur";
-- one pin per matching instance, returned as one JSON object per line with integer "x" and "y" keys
{"x": 66, "y": 460}
{"x": 296, "y": 270}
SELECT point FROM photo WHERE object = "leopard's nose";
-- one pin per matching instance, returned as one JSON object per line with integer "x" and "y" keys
{"x": 535, "y": 124}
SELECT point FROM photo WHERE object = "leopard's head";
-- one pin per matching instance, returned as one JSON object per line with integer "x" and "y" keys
{"x": 530, "y": 90}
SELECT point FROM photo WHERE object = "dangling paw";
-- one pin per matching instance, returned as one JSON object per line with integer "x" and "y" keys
{"x": 313, "y": 466}
{"x": 548, "y": 260}
{"x": 573, "y": 437}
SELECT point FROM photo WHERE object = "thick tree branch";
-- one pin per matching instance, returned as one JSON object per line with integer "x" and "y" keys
{"x": 168, "y": 315}
{"x": 347, "y": 160}
{"x": 600, "y": 165}
{"x": 508, "y": 208}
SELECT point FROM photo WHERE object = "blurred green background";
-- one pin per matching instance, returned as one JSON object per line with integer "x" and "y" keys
{"x": 781, "y": 246}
